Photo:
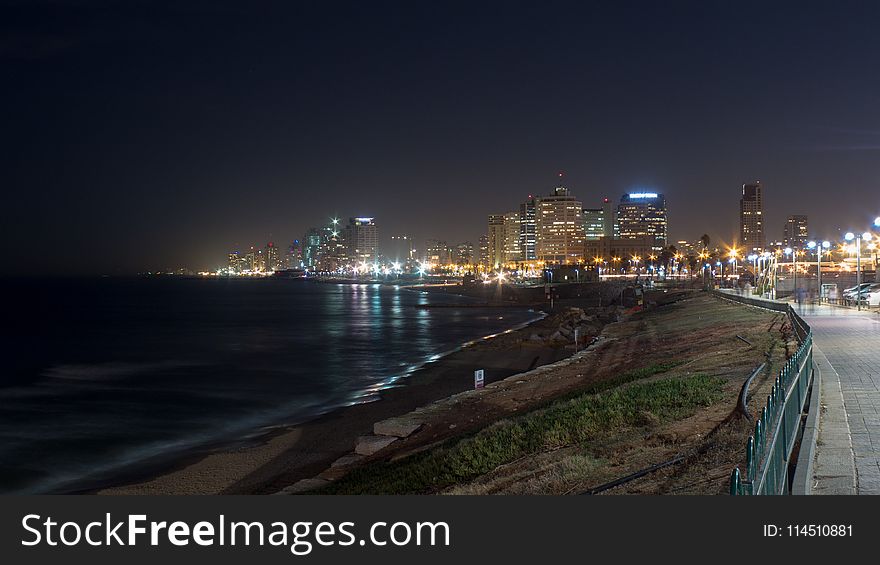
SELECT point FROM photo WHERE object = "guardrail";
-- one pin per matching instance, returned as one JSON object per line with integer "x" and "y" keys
{"x": 769, "y": 448}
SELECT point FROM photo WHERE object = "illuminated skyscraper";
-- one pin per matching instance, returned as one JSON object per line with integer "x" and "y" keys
{"x": 527, "y": 238}
{"x": 512, "y": 238}
{"x": 643, "y": 215}
{"x": 594, "y": 223}
{"x": 796, "y": 231}
{"x": 273, "y": 259}
{"x": 559, "y": 228}
{"x": 311, "y": 245}
{"x": 751, "y": 217}
{"x": 362, "y": 239}
{"x": 496, "y": 240}
{"x": 483, "y": 252}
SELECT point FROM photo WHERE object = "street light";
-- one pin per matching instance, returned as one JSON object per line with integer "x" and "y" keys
{"x": 867, "y": 237}
{"x": 793, "y": 253}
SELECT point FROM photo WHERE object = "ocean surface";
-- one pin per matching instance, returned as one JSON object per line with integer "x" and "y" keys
{"x": 106, "y": 376}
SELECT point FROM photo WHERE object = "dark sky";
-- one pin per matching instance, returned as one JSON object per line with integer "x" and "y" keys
{"x": 143, "y": 135}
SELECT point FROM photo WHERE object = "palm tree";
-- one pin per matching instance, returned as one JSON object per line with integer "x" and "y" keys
{"x": 704, "y": 239}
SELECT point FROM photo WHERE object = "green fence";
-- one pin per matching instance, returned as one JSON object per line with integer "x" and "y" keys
{"x": 769, "y": 448}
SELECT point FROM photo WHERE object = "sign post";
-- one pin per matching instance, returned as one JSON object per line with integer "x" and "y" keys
{"x": 478, "y": 378}
{"x": 576, "y": 339}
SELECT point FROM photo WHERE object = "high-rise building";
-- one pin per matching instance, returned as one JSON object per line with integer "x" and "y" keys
{"x": 273, "y": 259}
{"x": 311, "y": 244}
{"x": 483, "y": 252}
{"x": 437, "y": 252}
{"x": 609, "y": 219}
{"x": 362, "y": 240}
{"x": 464, "y": 253}
{"x": 642, "y": 214}
{"x": 512, "y": 238}
{"x": 796, "y": 232}
{"x": 527, "y": 239}
{"x": 751, "y": 217}
{"x": 496, "y": 241}
{"x": 559, "y": 228}
{"x": 594, "y": 223}
{"x": 234, "y": 263}
{"x": 295, "y": 255}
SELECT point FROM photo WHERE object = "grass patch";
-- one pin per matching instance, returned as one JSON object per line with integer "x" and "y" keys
{"x": 563, "y": 423}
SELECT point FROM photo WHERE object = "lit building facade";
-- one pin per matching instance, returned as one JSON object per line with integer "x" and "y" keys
{"x": 594, "y": 223}
{"x": 643, "y": 215}
{"x": 362, "y": 239}
{"x": 512, "y": 238}
{"x": 796, "y": 231}
{"x": 751, "y": 217}
{"x": 527, "y": 230}
{"x": 464, "y": 253}
{"x": 483, "y": 252}
{"x": 559, "y": 228}
{"x": 496, "y": 241}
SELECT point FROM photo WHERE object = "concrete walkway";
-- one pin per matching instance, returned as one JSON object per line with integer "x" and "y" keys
{"x": 847, "y": 355}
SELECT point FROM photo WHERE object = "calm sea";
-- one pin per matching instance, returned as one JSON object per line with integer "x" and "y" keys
{"x": 109, "y": 373}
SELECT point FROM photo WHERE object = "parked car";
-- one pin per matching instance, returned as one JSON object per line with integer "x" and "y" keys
{"x": 850, "y": 293}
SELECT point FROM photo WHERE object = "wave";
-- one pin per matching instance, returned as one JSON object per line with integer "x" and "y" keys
{"x": 113, "y": 370}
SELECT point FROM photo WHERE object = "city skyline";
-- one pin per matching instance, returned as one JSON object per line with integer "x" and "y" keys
{"x": 136, "y": 151}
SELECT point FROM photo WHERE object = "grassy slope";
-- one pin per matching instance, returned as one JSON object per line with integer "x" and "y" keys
{"x": 574, "y": 421}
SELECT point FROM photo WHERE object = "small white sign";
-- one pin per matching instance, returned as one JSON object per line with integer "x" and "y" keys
{"x": 478, "y": 378}
{"x": 576, "y": 338}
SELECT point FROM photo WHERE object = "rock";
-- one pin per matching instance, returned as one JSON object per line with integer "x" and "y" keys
{"x": 368, "y": 445}
{"x": 397, "y": 427}
{"x": 556, "y": 336}
{"x": 565, "y": 332}
{"x": 536, "y": 337}
{"x": 347, "y": 460}
{"x": 303, "y": 486}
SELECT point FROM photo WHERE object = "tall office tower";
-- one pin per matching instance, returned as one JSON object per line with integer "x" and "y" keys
{"x": 512, "y": 249}
{"x": 643, "y": 214}
{"x": 483, "y": 252}
{"x": 272, "y": 258}
{"x": 233, "y": 263}
{"x": 295, "y": 255}
{"x": 559, "y": 227}
{"x": 496, "y": 240}
{"x": 250, "y": 260}
{"x": 332, "y": 254}
{"x": 751, "y": 217}
{"x": 362, "y": 239}
{"x": 527, "y": 229}
{"x": 609, "y": 219}
{"x": 594, "y": 223}
{"x": 260, "y": 261}
{"x": 311, "y": 245}
{"x": 437, "y": 252}
{"x": 464, "y": 253}
{"x": 795, "y": 233}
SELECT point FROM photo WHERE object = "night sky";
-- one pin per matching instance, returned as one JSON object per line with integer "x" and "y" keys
{"x": 141, "y": 135}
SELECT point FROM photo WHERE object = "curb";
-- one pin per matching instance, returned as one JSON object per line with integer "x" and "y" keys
{"x": 801, "y": 484}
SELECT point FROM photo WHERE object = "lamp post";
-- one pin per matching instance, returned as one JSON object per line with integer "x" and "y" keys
{"x": 793, "y": 253}
{"x": 867, "y": 237}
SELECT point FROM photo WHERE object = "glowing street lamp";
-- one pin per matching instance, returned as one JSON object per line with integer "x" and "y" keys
{"x": 867, "y": 237}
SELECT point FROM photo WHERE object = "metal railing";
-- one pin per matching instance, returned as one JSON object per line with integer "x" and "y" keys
{"x": 769, "y": 448}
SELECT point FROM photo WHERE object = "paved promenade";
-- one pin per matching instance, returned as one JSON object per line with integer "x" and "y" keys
{"x": 848, "y": 357}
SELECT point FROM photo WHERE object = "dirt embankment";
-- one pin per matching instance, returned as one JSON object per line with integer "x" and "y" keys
{"x": 660, "y": 384}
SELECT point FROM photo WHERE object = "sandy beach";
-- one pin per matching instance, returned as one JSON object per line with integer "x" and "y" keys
{"x": 287, "y": 455}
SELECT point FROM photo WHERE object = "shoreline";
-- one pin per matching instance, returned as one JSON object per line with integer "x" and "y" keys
{"x": 275, "y": 457}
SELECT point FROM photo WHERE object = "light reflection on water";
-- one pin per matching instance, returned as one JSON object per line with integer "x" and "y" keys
{"x": 120, "y": 370}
